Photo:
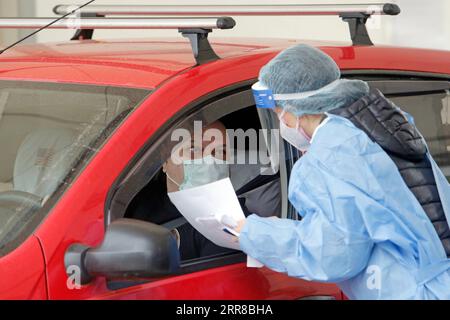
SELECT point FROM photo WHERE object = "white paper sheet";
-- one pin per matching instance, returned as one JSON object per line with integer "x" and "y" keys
{"x": 205, "y": 207}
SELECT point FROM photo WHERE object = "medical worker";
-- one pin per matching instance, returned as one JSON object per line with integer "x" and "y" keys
{"x": 374, "y": 206}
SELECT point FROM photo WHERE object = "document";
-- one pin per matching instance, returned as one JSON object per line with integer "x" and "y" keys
{"x": 213, "y": 210}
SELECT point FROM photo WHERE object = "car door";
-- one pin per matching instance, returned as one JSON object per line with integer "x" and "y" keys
{"x": 22, "y": 272}
{"x": 221, "y": 276}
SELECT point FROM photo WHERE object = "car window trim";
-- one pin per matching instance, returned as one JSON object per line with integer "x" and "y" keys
{"x": 143, "y": 157}
{"x": 223, "y": 96}
{"x": 383, "y": 74}
{"x": 187, "y": 267}
{"x": 409, "y": 87}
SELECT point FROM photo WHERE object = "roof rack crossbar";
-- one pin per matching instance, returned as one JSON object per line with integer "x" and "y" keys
{"x": 355, "y": 15}
{"x": 195, "y": 29}
{"x": 119, "y": 23}
{"x": 236, "y": 10}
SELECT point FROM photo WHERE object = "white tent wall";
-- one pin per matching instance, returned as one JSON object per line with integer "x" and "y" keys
{"x": 8, "y": 8}
{"x": 422, "y": 23}
{"x": 16, "y": 8}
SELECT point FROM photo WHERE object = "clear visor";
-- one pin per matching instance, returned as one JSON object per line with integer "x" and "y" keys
{"x": 265, "y": 99}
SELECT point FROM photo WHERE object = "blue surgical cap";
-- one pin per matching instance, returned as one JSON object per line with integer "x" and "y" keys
{"x": 302, "y": 68}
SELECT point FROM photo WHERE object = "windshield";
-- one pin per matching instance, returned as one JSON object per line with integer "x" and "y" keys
{"x": 47, "y": 131}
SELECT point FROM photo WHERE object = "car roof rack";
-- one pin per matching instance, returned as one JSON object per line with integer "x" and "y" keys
{"x": 195, "y": 29}
{"x": 355, "y": 15}
{"x": 194, "y": 21}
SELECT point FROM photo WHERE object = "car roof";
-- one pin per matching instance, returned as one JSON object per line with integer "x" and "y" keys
{"x": 146, "y": 63}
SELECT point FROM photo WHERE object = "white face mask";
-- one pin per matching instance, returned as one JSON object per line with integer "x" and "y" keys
{"x": 295, "y": 136}
{"x": 202, "y": 171}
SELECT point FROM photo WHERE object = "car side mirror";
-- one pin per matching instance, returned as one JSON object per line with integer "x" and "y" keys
{"x": 130, "y": 249}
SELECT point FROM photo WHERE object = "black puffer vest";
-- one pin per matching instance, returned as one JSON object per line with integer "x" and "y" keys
{"x": 385, "y": 124}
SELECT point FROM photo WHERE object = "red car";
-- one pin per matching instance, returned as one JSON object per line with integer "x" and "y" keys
{"x": 84, "y": 130}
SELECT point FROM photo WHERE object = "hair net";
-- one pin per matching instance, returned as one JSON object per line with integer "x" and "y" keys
{"x": 303, "y": 68}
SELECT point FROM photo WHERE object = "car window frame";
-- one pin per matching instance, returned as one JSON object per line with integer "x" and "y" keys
{"x": 239, "y": 96}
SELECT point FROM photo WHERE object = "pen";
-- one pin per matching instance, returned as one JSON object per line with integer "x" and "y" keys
{"x": 231, "y": 232}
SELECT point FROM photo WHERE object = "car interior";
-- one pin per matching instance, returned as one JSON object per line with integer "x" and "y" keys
{"x": 257, "y": 189}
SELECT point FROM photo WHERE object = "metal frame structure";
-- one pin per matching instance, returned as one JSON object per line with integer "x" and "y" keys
{"x": 195, "y": 29}
{"x": 355, "y": 15}
{"x": 119, "y": 23}
{"x": 195, "y": 21}
{"x": 234, "y": 10}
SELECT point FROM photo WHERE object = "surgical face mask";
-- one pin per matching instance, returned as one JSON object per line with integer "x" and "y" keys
{"x": 295, "y": 136}
{"x": 202, "y": 171}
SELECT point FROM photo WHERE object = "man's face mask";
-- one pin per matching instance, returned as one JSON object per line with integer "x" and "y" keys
{"x": 295, "y": 136}
{"x": 202, "y": 171}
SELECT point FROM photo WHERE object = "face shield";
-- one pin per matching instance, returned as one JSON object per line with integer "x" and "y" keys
{"x": 265, "y": 98}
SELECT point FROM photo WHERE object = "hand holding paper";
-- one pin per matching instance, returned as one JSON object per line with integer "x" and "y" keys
{"x": 210, "y": 209}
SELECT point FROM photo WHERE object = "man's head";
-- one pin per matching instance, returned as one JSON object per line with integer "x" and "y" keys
{"x": 198, "y": 161}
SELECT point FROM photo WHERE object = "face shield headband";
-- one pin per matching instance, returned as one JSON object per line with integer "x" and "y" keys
{"x": 265, "y": 99}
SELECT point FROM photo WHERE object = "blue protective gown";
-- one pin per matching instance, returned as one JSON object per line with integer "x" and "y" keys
{"x": 358, "y": 228}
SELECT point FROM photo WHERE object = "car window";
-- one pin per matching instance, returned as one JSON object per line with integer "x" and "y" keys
{"x": 255, "y": 182}
{"x": 431, "y": 114}
{"x": 141, "y": 192}
{"x": 47, "y": 132}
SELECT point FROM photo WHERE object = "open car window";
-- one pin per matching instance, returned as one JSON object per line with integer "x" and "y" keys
{"x": 254, "y": 176}
{"x": 141, "y": 191}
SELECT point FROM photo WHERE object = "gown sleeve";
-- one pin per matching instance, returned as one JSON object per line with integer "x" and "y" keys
{"x": 330, "y": 243}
